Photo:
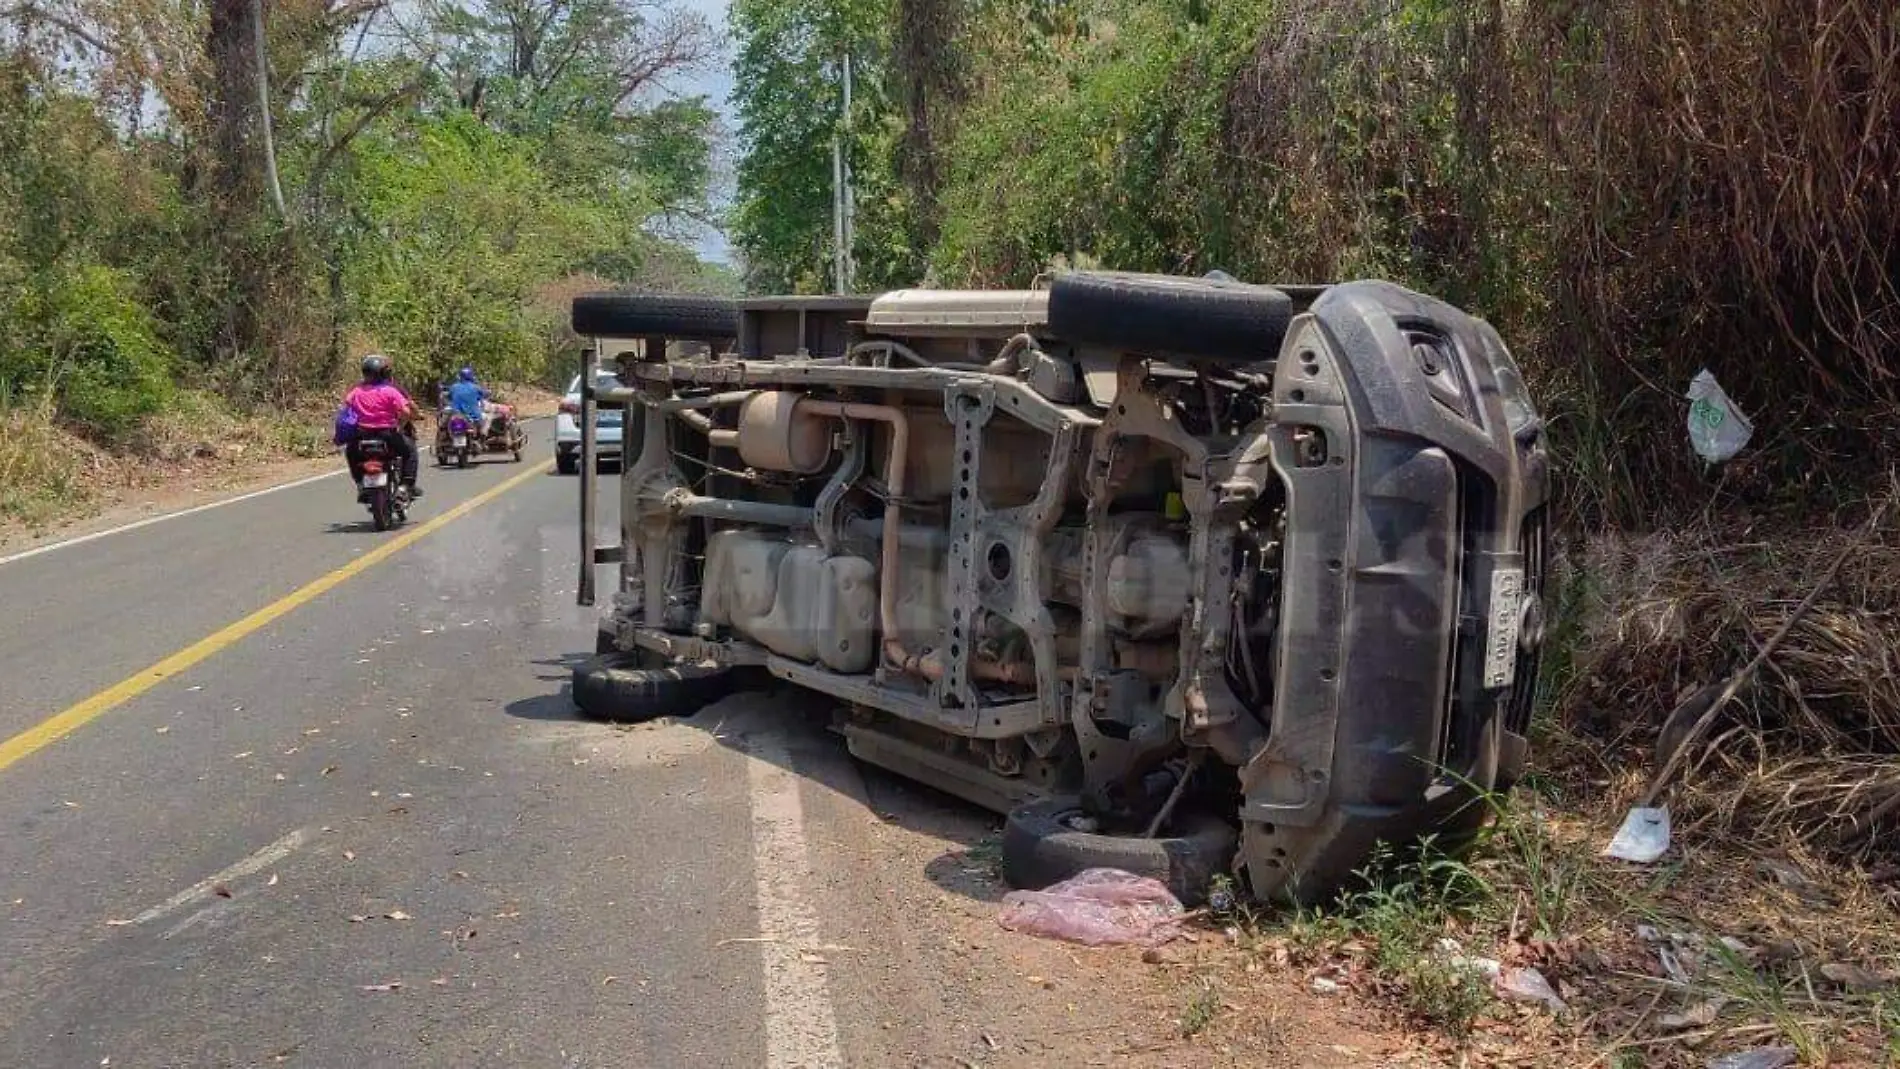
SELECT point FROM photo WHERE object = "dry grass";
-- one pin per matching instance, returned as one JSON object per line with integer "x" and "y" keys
{"x": 1631, "y": 191}
{"x": 1810, "y": 751}
{"x": 49, "y": 474}
{"x": 44, "y": 473}
{"x": 1778, "y": 899}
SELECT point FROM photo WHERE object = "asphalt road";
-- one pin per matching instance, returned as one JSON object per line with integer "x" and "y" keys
{"x": 373, "y": 832}
{"x": 276, "y": 789}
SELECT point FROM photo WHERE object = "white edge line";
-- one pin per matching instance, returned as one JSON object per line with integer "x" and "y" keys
{"x": 268, "y": 856}
{"x": 150, "y": 520}
{"x": 194, "y": 510}
{"x": 801, "y": 1028}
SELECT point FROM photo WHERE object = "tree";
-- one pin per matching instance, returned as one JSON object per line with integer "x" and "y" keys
{"x": 788, "y": 89}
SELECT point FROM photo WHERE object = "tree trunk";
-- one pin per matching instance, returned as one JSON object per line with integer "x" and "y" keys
{"x": 237, "y": 166}
{"x": 234, "y": 192}
{"x": 931, "y": 73}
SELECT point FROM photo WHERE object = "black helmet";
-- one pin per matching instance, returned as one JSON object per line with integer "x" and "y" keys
{"x": 376, "y": 368}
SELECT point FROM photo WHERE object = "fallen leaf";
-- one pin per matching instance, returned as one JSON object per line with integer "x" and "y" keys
{"x": 357, "y": 918}
{"x": 458, "y": 874}
{"x": 272, "y": 882}
{"x": 240, "y": 756}
{"x": 812, "y": 959}
{"x": 405, "y": 794}
{"x": 221, "y": 891}
{"x": 393, "y": 985}
{"x": 1855, "y": 978}
{"x": 279, "y": 777}
{"x": 507, "y": 916}
{"x": 117, "y": 924}
{"x": 328, "y": 769}
{"x": 1700, "y": 1015}
{"x": 162, "y": 730}
{"x": 70, "y": 805}
{"x": 397, "y": 915}
{"x": 349, "y": 855}
{"x": 313, "y": 731}
{"x": 609, "y": 980}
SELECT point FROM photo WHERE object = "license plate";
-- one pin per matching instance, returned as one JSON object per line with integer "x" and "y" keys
{"x": 376, "y": 479}
{"x": 1507, "y": 615}
{"x": 461, "y": 440}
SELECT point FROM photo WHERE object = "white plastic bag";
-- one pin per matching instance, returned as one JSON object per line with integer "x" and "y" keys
{"x": 1717, "y": 429}
{"x": 1097, "y": 907}
{"x": 1643, "y": 837}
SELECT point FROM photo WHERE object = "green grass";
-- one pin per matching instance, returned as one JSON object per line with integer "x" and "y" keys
{"x": 1203, "y": 1006}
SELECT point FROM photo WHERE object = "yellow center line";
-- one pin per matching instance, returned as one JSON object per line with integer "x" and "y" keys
{"x": 64, "y": 723}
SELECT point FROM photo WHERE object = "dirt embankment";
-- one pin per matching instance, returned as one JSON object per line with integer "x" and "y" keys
{"x": 56, "y": 484}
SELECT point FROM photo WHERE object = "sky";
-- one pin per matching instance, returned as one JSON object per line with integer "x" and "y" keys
{"x": 715, "y": 83}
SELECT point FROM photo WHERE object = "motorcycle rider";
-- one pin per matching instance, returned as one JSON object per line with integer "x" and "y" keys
{"x": 467, "y": 397}
{"x": 382, "y": 411}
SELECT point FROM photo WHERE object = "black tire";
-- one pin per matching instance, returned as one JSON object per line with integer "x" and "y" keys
{"x": 624, "y": 688}
{"x": 381, "y": 510}
{"x": 1039, "y": 849}
{"x": 461, "y": 459}
{"x": 1195, "y": 318}
{"x": 665, "y": 315}
{"x": 567, "y": 463}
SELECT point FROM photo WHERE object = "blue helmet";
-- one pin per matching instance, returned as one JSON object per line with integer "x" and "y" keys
{"x": 467, "y": 374}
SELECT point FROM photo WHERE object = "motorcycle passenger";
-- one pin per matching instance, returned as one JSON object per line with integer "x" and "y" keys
{"x": 382, "y": 410}
{"x": 467, "y": 397}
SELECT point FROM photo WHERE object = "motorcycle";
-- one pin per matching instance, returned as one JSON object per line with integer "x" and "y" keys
{"x": 460, "y": 439}
{"x": 453, "y": 437}
{"x": 381, "y": 487}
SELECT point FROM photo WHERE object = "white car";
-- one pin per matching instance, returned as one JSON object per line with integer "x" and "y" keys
{"x": 567, "y": 427}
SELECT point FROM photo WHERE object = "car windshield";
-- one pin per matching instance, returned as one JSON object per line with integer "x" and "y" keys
{"x": 606, "y": 380}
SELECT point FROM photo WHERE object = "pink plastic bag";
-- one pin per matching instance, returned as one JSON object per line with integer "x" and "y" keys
{"x": 1097, "y": 907}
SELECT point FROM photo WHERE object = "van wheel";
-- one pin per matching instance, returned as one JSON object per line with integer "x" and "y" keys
{"x": 1196, "y": 318}
{"x": 625, "y": 688}
{"x": 1041, "y": 846}
{"x": 665, "y": 315}
{"x": 567, "y": 464}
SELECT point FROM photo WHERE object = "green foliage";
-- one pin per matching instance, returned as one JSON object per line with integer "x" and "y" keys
{"x": 1098, "y": 137}
{"x": 789, "y": 95}
{"x": 462, "y": 225}
{"x": 79, "y": 336}
{"x": 103, "y": 361}
{"x": 437, "y": 192}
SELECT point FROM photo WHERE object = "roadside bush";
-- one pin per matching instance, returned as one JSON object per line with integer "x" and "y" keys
{"x": 87, "y": 343}
{"x": 1630, "y": 191}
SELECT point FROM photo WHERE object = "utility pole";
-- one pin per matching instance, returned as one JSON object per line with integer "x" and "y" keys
{"x": 843, "y": 229}
{"x": 850, "y": 197}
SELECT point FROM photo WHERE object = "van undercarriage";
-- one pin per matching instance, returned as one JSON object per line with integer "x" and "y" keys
{"x": 1199, "y": 575}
